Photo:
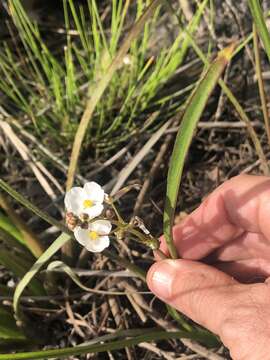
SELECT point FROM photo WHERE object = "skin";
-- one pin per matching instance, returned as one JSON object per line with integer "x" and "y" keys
{"x": 222, "y": 280}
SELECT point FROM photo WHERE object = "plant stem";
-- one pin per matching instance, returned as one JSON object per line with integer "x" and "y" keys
{"x": 114, "y": 345}
{"x": 260, "y": 82}
{"x": 161, "y": 254}
{"x": 261, "y": 26}
{"x": 125, "y": 263}
{"x": 116, "y": 211}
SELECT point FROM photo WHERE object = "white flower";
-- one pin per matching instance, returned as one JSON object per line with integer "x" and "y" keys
{"x": 87, "y": 200}
{"x": 95, "y": 238}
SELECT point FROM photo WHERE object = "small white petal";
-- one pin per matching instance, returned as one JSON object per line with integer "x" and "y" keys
{"x": 81, "y": 235}
{"x": 102, "y": 227}
{"x": 99, "y": 244}
{"x": 74, "y": 199}
{"x": 94, "y": 192}
{"x": 93, "y": 211}
{"x": 84, "y": 238}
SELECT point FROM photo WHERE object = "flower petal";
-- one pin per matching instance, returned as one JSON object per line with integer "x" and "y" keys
{"x": 94, "y": 192}
{"x": 94, "y": 211}
{"x": 74, "y": 200}
{"x": 81, "y": 235}
{"x": 102, "y": 227}
{"x": 99, "y": 244}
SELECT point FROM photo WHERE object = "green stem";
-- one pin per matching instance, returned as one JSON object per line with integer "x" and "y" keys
{"x": 161, "y": 254}
{"x": 114, "y": 345}
{"x": 126, "y": 264}
{"x": 151, "y": 242}
{"x": 121, "y": 220}
{"x": 179, "y": 318}
{"x": 261, "y": 26}
{"x": 260, "y": 82}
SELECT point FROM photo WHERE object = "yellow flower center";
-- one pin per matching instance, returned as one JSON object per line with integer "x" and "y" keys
{"x": 87, "y": 204}
{"x": 93, "y": 235}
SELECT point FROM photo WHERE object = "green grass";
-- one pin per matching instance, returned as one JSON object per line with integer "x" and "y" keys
{"x": 51, "y": 83}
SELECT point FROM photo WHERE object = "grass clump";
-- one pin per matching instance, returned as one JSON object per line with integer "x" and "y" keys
{"x": 49, "y": 82}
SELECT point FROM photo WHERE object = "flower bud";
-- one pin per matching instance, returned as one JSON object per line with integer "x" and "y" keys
{"x": 71, "y": 220}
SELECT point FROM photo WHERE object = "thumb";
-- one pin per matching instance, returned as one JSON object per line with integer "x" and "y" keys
{"x": 199, "y": 291}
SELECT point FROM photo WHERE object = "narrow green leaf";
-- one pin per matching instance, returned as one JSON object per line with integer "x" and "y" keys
{"x": 52, "y": 249}
{"x": 12, "y": 243}
{"x": 126, "y": 264}
{"x": 10, "y": 228}
{"x": 260, "y": 81}
{"x": 193, "y": 112}
{"x": 31, "y": 240}
{"x": 114, "y": 345}
{"x": 18, "y": 266}
{"x": 261, "y": 26}
{"x": 179, "y": 318}
{"x": 8, "y": 328}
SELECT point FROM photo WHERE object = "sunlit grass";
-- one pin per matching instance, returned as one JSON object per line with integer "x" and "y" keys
{"x": 51, "y": 84}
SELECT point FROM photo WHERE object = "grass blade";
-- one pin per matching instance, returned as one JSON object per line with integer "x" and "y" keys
{"x": 260, "y": 82}
{"x": 261, "y": 27}
{"x": 193, "y": 112}
{"x": 7, "y": 225}
{"x": 30, "y": 239}
{"x": 52, "y": 249}
{"x": 11, "y": 242}
{"x": 8, "y": 328}
{"x": 18, "y": 266}
{"x": 93, "y": 101}
{"x": 114, "y": 345}
{"x": 126, "y": 264}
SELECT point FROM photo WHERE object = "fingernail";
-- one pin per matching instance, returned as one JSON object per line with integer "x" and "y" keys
{"x": 161, "y": 277}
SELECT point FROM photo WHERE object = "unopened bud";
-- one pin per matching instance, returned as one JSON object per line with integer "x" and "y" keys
{"x": 84, "y": 217}
{"x": 84, "y": 225}
{"x": 109, "y": 214}
{"x": 72, "y": 220}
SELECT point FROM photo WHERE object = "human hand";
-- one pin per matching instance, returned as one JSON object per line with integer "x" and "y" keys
{"x": 222, "y": 281}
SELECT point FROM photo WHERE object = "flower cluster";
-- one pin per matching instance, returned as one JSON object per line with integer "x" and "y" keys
{"x": 83, "y": 205}
{"x": 85, "y": 217}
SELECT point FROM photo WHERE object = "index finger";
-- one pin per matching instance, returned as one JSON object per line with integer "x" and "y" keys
{"x": 241, "y": 204}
